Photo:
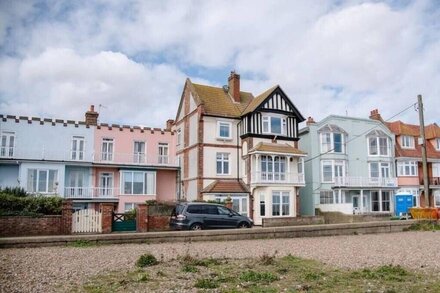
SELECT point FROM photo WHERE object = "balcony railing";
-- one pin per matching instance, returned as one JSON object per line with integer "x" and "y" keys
{"x": 277, "y": 177}
{"x": 433, "y": 181}
{"x": 90, "y": 192}
{"x": 365, "y": 182}
{"x": 84, "y": 156}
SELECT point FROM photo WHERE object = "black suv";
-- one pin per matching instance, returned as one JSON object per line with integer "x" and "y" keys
{"x": 198, "y": 216}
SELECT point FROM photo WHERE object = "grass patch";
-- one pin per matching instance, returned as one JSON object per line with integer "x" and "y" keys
{"x": 285, "y": 274}
{"x": 146, "y": 260}
{"x": 257, "y": 277}
{"x": 425, "y": 226}
{"x": 206, "y": 284}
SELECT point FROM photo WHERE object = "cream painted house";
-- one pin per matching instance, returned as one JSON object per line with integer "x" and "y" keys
{"x": 230, "y": 143}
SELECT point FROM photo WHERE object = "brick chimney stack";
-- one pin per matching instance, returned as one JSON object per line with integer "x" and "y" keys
{"x": 170, "y": 123}
{"x": 375, "y": 115}
{"x": 234, "y": 86}
{"x": 310, "y": 120}
{"x": 92, "y": 116}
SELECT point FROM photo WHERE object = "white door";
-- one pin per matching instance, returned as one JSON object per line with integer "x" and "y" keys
{"x": 106, "y": 184}
{"x": 76, "y": 184}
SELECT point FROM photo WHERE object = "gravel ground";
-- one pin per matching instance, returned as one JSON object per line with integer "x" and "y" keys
{"x": 51, "y": 269}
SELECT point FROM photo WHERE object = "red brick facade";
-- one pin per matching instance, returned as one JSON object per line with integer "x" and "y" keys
{"x": 30, "y": 226}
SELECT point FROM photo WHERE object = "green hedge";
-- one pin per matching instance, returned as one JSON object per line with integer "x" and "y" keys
{"x": 11, "y": 205}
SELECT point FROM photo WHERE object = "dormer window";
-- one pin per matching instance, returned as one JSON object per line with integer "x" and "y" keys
{"x": 407, "y": 141}
{"x": 378, "y": 144}
{"x": 274, "y": 125}
{"x": 332, "y": 139}
{"x": 224, "y": 130}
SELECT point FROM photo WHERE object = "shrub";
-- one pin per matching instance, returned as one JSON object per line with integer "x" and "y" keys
{"x": 146, "y": 260}
{"x": 30, "y": 205}
{"x": 264, "y": 277}
{"x": 15, "y": 191}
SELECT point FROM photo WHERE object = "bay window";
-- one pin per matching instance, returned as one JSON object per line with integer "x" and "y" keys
{"x": 332, "y": 142}
{"x": 408, "y": 168}
{"x": 41, "y": 180}
{"x": 273, "y": 168}
{"x": 138, "y": 182}
{"x": 378, "y": 146}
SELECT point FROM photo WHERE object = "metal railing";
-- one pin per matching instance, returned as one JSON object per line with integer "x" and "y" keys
{"x": 365, "y": 182}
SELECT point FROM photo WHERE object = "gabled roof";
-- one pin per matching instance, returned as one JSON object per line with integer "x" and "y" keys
{"x": 258, "y": 100}
{"x": 219, "y": 103}
{"x": 226, "y": 186}
{"x": 276, "y": 148}
{"x": 400, "y": 128}
{"x": 432, "y": 131}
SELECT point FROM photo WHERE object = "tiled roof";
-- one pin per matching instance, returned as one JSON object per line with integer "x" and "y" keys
{"x": 258, "y": 100}
{"x": 400, "y": 128}
{"x": 226, "y": 186}
{"x": 276, "y": 148}
{"x": 432, "y": 131}
{"x": 218, "y": 102}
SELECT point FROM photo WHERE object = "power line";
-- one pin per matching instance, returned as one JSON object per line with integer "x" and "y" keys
{"x": 360, "y": 135}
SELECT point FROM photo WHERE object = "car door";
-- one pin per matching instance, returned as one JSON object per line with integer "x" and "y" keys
{"x": 211, "y": 217}
{"x": 228, "y": 219}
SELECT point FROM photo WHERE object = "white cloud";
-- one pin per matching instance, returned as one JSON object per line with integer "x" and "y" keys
{"x": 330, "y": 57}
{"x": 61, "y": 82}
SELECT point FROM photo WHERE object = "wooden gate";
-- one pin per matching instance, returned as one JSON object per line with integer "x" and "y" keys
{"x": 87, "y": 221}
{"x": 124, "y": 222}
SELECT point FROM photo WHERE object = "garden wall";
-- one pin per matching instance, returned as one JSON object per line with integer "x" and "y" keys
{"x": 30, "y": 226}
{"x": 292, "y": 221}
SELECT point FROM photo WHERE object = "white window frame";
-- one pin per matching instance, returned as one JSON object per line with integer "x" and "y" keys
{"x": 179, "y": 136}
{"x": 222, "y": 158}
{"x": 267, "y": 124}
{"x": 378, "y": 148}
{"x": 163, "y": 152}
{"x": 333, "y": 164}
{"x": 326, "y": 197}
{"x": 77, "y": 152}
{"x": 106, "y": 190}
{"x": 437, "y": 198}
{"x": 37, "y": 181}
{"x": 6, "y": 149}
{"x": 107, "y": 156}
{"x": 132, "y": 204}
{"x": 407, "y": 142}
{"x": 410, "y": 166}
{"x": 281, "y": 195}
{"x": 145, "y": 186}
{"x": 381, "y": 166}
{"x": 330, "y": 146}
{"x": 139, "y": 156}
{"x": 228, "y": 125}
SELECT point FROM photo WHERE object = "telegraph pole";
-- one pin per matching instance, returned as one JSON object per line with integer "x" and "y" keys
{"x": 424, "y": 159}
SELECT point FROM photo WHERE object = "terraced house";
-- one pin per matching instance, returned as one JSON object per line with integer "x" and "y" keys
{"x": 408, "y": 153}
{"x": 87, "y": 161}
{"x": 231, "y": 143}
{"x": 351, "y": 166}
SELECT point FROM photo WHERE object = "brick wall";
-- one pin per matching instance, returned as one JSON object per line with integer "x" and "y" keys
{"x": 30, "y": 226}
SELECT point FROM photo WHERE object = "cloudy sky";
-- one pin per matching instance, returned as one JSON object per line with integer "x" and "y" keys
{"x": 132, "y": 57}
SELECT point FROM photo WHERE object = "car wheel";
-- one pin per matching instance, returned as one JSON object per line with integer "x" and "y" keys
{"x": 196, "y": 226}
{"x": 243, "y": 225}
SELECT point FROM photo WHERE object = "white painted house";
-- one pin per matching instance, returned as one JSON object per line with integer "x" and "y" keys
{"x": 231, "y": 143}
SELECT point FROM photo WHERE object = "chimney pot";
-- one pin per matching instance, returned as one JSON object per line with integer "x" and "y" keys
{"x": 234, "y": 86}
{"x": 310, "y": 120}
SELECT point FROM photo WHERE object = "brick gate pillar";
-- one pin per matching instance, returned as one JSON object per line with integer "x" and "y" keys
{"x": 142, "y": 218}
{"x": 66, "y": 217}
{"x": 107, "y": 217}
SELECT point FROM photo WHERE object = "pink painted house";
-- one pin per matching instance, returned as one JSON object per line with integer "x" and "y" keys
{"x": 135, "y": 164}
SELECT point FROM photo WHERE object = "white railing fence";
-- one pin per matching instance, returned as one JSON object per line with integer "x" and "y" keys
{"x": 87, "y": 221}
